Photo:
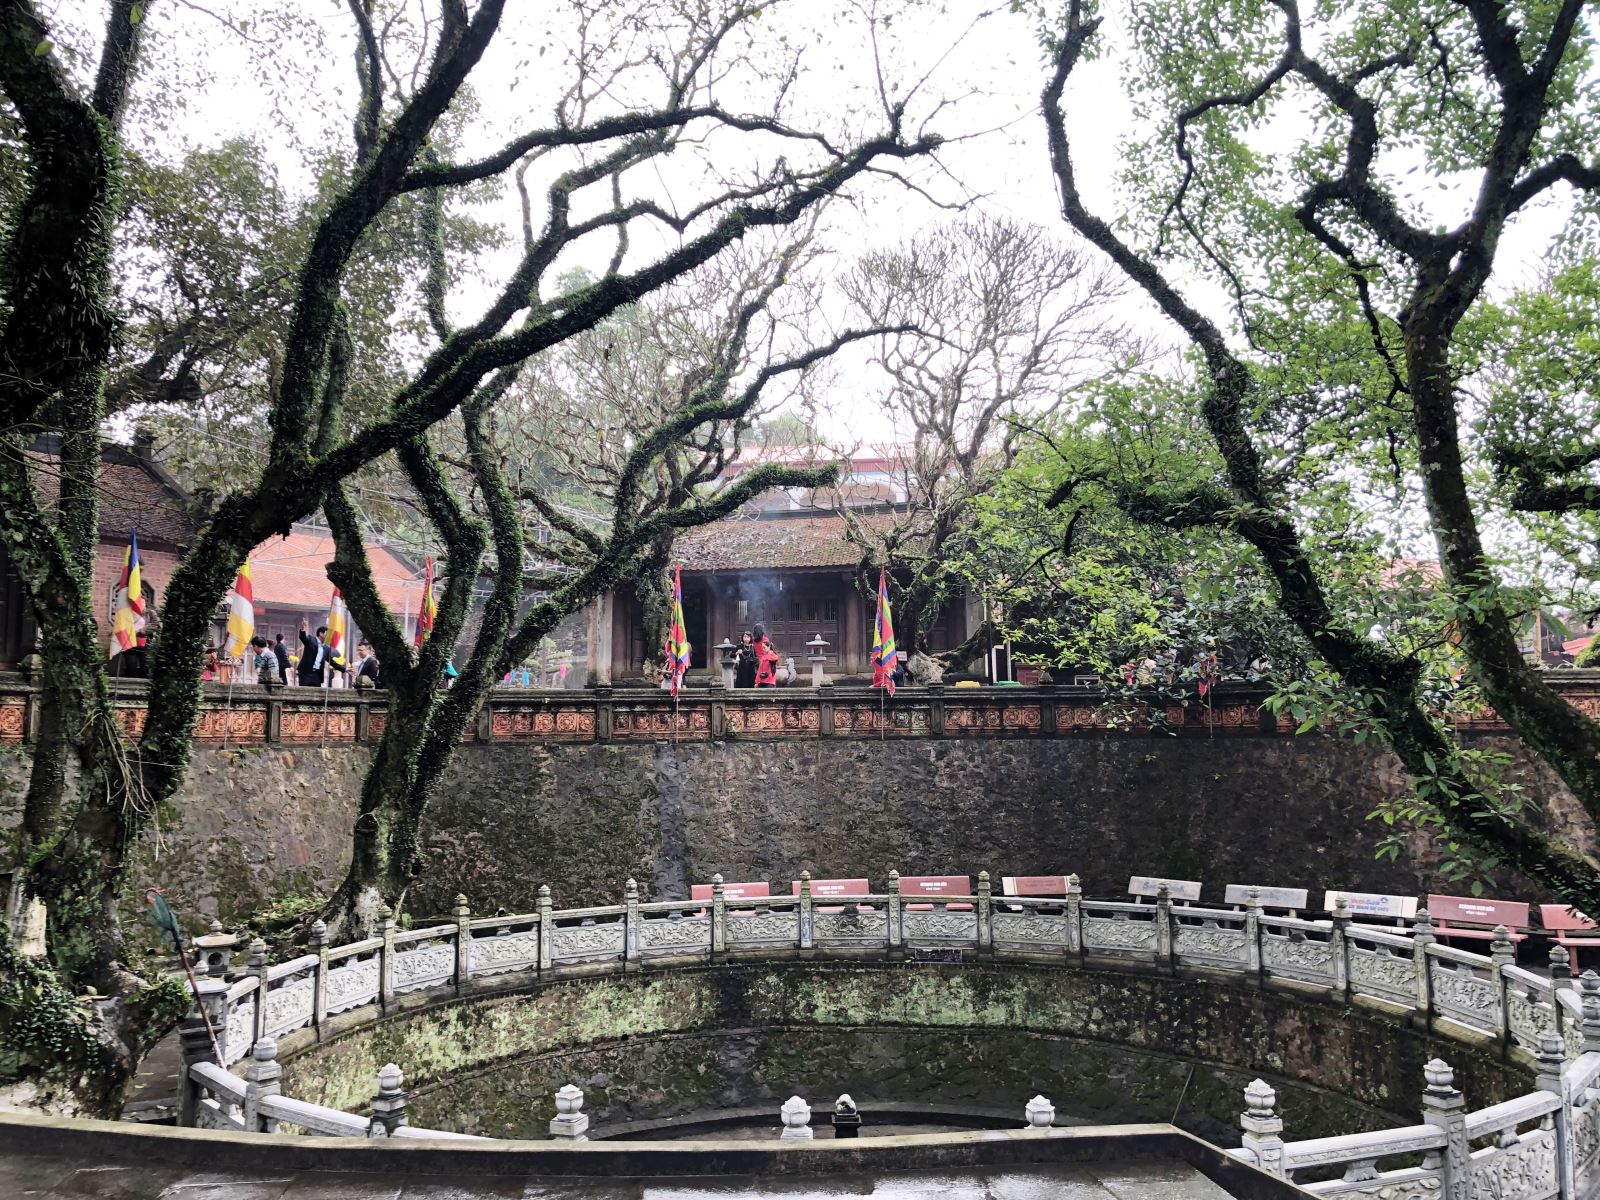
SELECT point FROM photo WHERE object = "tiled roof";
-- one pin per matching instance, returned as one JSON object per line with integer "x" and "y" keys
{"x": 132, "y": 496}
{"x": 746, "y": 543}
{"x": 292, "y": 572}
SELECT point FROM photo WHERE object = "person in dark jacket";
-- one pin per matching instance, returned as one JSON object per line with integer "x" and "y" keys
{"x": 744, "y": 662}
{"x": 314, "y": 655}
{"x": 366, "y": 666}
{"x": 281, "y": 653}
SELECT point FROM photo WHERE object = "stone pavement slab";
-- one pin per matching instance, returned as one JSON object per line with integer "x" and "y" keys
{"x": 25, "y": 1177}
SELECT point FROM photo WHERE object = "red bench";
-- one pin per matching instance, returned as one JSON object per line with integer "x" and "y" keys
{"x": 1564, "y": 923}
{"x": 1474, "y": 919}
{"x": 845, "y": 888}
{"x": 731, "y": 891}
{"x": 936, "y": 886}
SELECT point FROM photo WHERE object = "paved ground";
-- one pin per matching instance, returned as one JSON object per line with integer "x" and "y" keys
{"x": 22, "y": 1177}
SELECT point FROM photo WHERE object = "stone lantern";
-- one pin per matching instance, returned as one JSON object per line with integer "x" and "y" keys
{"x": 727, "y": 649}
{"x": 816, "y": 658}
{"x": 213, "y": 951}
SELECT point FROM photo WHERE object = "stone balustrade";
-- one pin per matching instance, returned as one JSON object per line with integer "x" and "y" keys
{"x": 249, "y": 715}
{"x": 1546, "y": 1143}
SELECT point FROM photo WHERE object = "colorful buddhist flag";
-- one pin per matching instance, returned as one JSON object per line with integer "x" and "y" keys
{"x": 241, "y": 615}
{"x": 884, "y": 654}
{"x": 677, "y": 636}
{"x": 429, "y": 610}
{"x": 128, "y": 612}
{"x": 338, "y": 625}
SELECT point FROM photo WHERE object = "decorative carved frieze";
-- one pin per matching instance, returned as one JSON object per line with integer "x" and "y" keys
{"x": 289, "y": 1006}
{"x": 686, "y": 933}
{"x": 1111, "y": 933}
{"x": 503, "y": 952}
{"x": 542, "y": 725}
{"x": 747, "y": 929}
{"x": 308, "y": 725}
{"x": 571, "y": 943}
{"x": 424, "y": 966}
{"x": 13, "y": 722}
{"x": 777, "y": 720}
{"x": 1031, "y": 930}
{"x": 865, "y": 719}
{"x": 353, "y": 984}
{"x": 852, "y": 928}
{"x": 940, "y": 927}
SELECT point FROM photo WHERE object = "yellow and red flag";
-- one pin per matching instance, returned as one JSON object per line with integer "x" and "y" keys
{"x": 884, "y": 653}
{"x": 338, "y": 625}
{"x": 429, "y": 609}
{"x": 129, "y": 610}
{"x": 241, "y": 615}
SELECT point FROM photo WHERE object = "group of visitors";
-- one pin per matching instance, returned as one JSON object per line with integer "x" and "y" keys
{"x": 317, "y": 665}
{"x": 755, "y": 661}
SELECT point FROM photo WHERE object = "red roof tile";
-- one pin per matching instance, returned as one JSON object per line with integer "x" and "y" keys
{"x": 132, "y": 496}
{"x": 746, "y": 543}
{"x": 292, "y": 572}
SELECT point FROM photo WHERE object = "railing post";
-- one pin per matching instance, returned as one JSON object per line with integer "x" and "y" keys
{"x": 807, "y": 932}
{"x": 1589, "y": 990}
{"x": 1164, "y": 928}
{"x": 463, "y": 916}
{"x": 261, "y": 1078}
{"x": 1445, "y": 1108}
{"x": 547, "y": 927}
{"x": 1560, "y": 979}
{"x": 1074, "y": 919}
{"x": 389, "y": 1105}
{"x": 1263, "y": 1127}
{"x": 796, "y": 1117}
{"x": 318, "y": 945}
{"x": 719, "y": 916}
{"x": 1502, "y": 954}
{"x": 256, "y": 964}
{"x": 896, "y": 939}
{"x": 1252, "y": 932}
{"x": 195, "y": 1041}
{"x": 985, "y": 908}
{"x": 1039, "y": 1113}
{"x": 571, "y": 1123}
{"x": 630, "y": 924}
{"x": 1341, "y": 948}
{"x": 1550, "y": 1072}
{"x": 1421, "y": 938}
{"x": 386, "y": 958}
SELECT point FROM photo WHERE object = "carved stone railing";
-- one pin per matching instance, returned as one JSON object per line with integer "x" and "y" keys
{"x": 1403, "y": 970}
{"x": 1546, "y": 1143}
{"x": 249, "y": 715}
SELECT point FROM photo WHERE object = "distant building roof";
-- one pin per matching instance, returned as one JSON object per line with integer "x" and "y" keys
{"x": 292, "y": 572}
{"x": 135, "y": 494}
{"x": 771, "y": 542}
{"x": 1577, "y": 645}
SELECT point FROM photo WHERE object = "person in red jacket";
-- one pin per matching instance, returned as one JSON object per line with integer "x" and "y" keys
{"x": 766, "y": 659}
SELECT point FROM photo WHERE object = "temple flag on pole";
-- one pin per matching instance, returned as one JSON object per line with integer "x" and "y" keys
{"x": 338, "y": 625}
{"x": 884, "y": 653}
{"x": 129, "y": 611}
{"x": 429, "y": 609}
{"x": 241, "y": 615}
{"x": 677, "y": 636}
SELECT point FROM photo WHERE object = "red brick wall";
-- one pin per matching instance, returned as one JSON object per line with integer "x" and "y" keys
{"x": 155, "y": 565}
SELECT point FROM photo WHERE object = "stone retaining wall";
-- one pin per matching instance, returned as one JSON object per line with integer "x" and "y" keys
{"x": 1238, "y": 801}
{"x": 1104, "y": 1045}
